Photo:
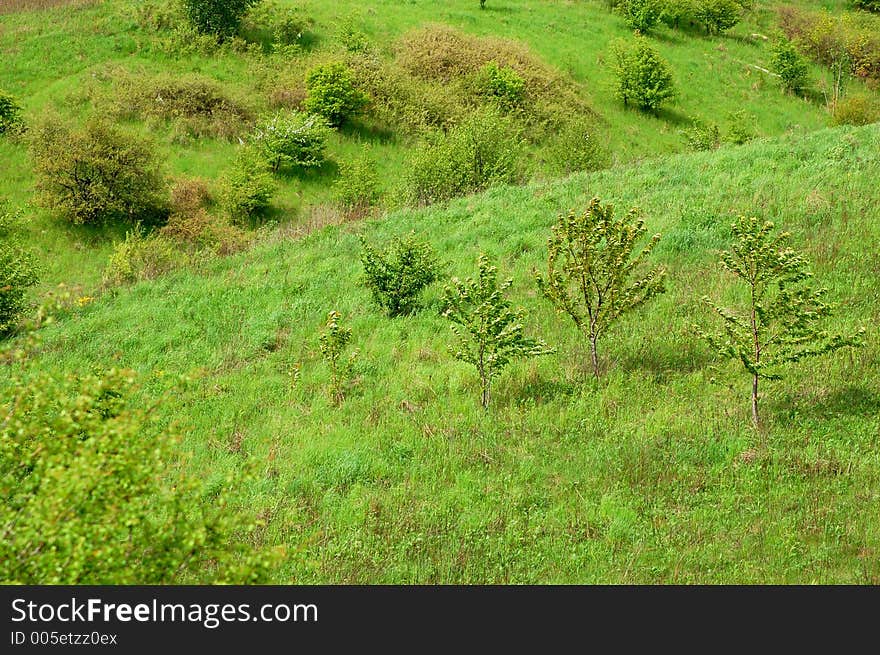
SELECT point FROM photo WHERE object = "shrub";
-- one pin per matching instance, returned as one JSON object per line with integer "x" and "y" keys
{"x": 98, "y": 174}
{"x": 856, "y": 110}
{"x": 640, "y": 15}
{"x": 642, "y": 75}
{"x": 867, "y": 5}
{"x": 742, "y": 128}
{"x": 217, "y": 17}
{"x": 702, "y": 136}
{"x": 593, "y": 270}
{"x": 332, "y": 93}
{"x": 141, "y": 256}
{"x": 717, "y": 15}
{"x": 578, "y": 147}
{"x": 17, "y": 271}
{"x": 198, "y": 231}
{"x": 674, "y": 12}
{"x": 189, "y": 195}
{"x": 484, "y": 151}
{"x": 489, "y": 332}
{"x": 83, "y": 497}
{"x": 284, "y": 28}
{"x": 501, "y": 85}
{"x": 333, "y": 341}
{"x": 397, "y": 276}
{"x": 357, "y": 188}
{"x": 292, "y": 139}
{"x": 790, "y": 65}
{"x": 246, "y": 187}
{"x": 10, "y": 113}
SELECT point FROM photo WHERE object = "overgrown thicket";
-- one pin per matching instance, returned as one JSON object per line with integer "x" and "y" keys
{"x": 17, "y": 270}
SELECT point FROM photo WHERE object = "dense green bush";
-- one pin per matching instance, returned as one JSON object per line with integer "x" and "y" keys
{"x": 397, "y": 276}
{"x": 484, "y": 151}
{"x": 640, "y": 15}
{"x": 577, "y": 147}
{"x": 501, "y": 85}
{"x": 10, "y": 113}
{"x": 292, "y": 138}
{"x": 675, "y": 12}
{"x": 17, "y": 271}
{"x": 357, "y": 188}
{"x": 217, "y": 17}
{"x": 717, "y": 15}
{"x": 83, "y": 499}
{"x": 333, "y": 94}
{"x": 247, "y": 187}
{"x": 98, "y": 174}
{"x": 643, "y": 76}
{"x": 790, "y": 65}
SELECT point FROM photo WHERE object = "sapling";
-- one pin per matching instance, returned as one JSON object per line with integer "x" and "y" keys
{"x": 781, "y": 321}
{"x": 334, "y": 340}
{"x": 592, "y": 274}
{"x": 488, "y": 331}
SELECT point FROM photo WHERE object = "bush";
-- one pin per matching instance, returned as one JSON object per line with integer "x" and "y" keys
{"x": 10, "y": 113}
{"x": 501, "y": 85}
{"x": 674, "y": 12}
{"x": 141, "y": 256}
{"x": 790, "y": 65}
{"x": 332, "y": 93}
{"x": 642, "y": 75}
{"x": 578, "y": 147}
{"x": 83, "y": 497}
{"x": 484, "y": 151}
{"x": 856, "y": 110}
{"x": 867, "y": 5}
{"x": 357, "y": 188}
{"x": 333, "y": 342}
{"x": 98, "y": 174}
{"x": 198, "y": 231}
{"x": 247, "y": 187}
{"x": 284, "y": 28}
{"x": 717, "y": 15}
{"x": 640, "y": 15}
{"x": 218, "y": 17}
{"x": 292, "y": 139}
{"x": 702, "y": 136}
{"x": 17, "y": 271}
{"x": 397, "y": 276}
{"x": 189, "y": 194}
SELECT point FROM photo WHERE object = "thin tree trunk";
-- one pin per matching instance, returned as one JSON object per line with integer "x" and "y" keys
{"x": 755, "y": 417}
{"x": 485, "y": 396}
{"x": 594, "y": 353}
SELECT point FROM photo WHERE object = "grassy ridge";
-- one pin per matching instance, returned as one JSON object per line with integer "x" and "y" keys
{"x": 653, "y": 475}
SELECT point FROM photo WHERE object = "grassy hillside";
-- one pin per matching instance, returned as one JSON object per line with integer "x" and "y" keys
{"x": 652, "y": 475}
{"x": 57, "y": 58}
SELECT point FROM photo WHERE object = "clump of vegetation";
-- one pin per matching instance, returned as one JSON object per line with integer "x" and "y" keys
{"x": 334, "y": 340}
{"x": 484, "y": 151}
{"x": 640, "y": 15}
{"x": 702, "y": 136}
{"x": 332, "y": 93}
{"x": 643, "y": 76}
{"x": 283, "y": 29}
{"x": 867, "y": 5}
{"x": 489, "y": 333}
{"x": 790, "y": 65}
{"x": 781, "y": 323}
{"x": 397, "y": 276}
{"x": 141, "y": 256}
{"x": 17, "y": 271}
{"x": 247, "y": 187}
{"x": 578, "y": 147}
{"x": 856, "y": 109}
{"x": 593, "y": 274}
{"x": 10, "y": 113}
{"x": 357, "y": 188}
{"x": 292, "y": 139}
{"x": 503, "y": 86}
{"x": 98, "y": 174}
{"x": 220, "y": 18}
{"x": 717, "y": 16}
{"x": 191, "y": 227}
{"x": 81, "y": 483}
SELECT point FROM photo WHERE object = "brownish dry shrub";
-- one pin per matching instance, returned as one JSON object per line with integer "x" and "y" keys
{"x": 189, "y": 195}
{"x": 199, "y": 231}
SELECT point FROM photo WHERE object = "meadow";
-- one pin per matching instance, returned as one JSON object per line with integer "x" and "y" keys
{"x": 651, "y": 474}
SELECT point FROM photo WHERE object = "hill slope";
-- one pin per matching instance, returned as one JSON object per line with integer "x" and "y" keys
{"x": 652, "y": 475}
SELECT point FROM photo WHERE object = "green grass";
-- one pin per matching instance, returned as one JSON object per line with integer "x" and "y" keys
{"x": 652, "y": 475}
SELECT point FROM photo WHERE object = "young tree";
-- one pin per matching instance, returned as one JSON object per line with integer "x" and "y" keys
{"x": 489, "y": 332}
{"x": 790, "y": 65}
{"x": 718, "y": 15}
{"x": 218, "y": 17}
{"x": 333, "y": 342}
{"x": 781, "y": 321}
{"x": 397, "y": 276}
{"x": 641, "y": 15}
{"x": 592, "y": 274}
{"x": 642, "y": 75}
{"x": 332, "y": 93}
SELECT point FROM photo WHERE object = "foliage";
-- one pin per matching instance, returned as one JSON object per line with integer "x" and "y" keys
{"x": 247, "y": 187}
{"x": 642, "y": 75}
{"x": 485, "y": 150}
{"x": 856, "y": 109}
{"x": 357, "y": 187}
{"x": 199, "y": 231}
{"x": 674, "y": 12}
{"x": 217, "y": 17}
{"x": 141, "y": 256}
{"x": 10, "y": 113}
{"x": 640, "y": 15}
{"x": 98, "y": 174}
{"x": 285, "y": 29}
{"x": 790, "y": 65}
{"x": 334, "y": 340}
{"x": 867, "y": 5}
{"x": 741, "y": 127}
{"x": 717, "y": 16}
{"x": 332, "y": 93}
{"x": 397, "y": 276}
{"x": 501, "y": 85}
{"x": 17, "y": 271}
{"x": 578, "y": 147}
{"x": 592, "y": 274}
{"x": 82, "y": 500}
{"x": 781, "y": 321}
{"x": 489, "y": 333}
{"x": 292, "y": 139}
{"x": 702, "y": 136}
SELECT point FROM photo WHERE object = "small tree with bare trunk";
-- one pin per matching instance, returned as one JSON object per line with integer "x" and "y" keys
{"x": 781, "y": 320}
{"x": 592, "y": 274}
